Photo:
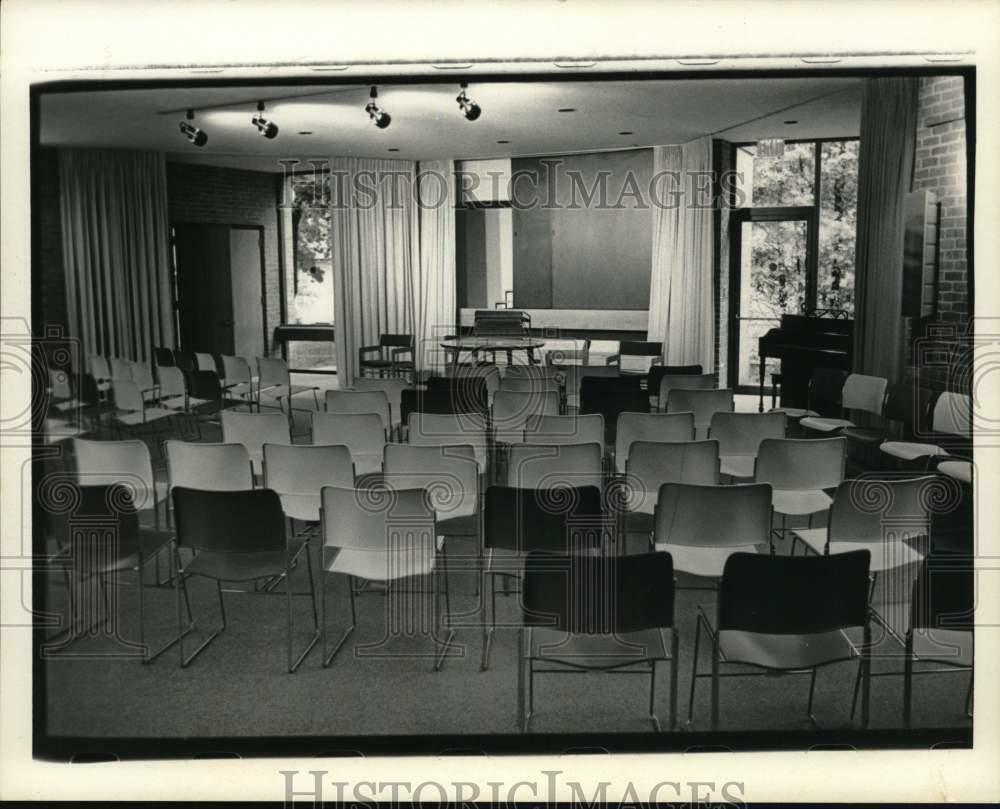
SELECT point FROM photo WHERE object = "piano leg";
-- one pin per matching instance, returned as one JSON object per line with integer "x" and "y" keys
{"x": 760, "y": 403}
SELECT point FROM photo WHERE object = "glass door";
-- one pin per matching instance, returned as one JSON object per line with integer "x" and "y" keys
{"x": 770, "y": 278}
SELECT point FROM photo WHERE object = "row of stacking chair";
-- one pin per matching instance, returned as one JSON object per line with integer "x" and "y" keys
{"x": 761, "y": 600}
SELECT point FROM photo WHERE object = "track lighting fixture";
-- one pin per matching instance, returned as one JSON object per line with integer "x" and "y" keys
{"x": 470, "y": 109}
{"x": 191, "y": 132}
{"x": 268, "y": 129}
{"x": 379, "y": 117}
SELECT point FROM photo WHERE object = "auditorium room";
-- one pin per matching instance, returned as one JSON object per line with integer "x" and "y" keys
{"x": 364, "y": 403}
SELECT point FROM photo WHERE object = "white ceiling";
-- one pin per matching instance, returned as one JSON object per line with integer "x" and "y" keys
{"x": 426, "y": 122}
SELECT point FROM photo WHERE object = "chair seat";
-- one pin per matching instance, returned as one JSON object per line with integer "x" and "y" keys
{"x": 379, "y": 565}
{"x": 706, "y": 562}
{"x": 866, "y": 435}
{"x": 151, "y": 414}
{"x": 815, "y": 538}
{"x": 596, "y": 651}
{"x": 737, "y": 466}
{"x": 806, "y": 501}
{"x": 825, "y": 425}
{"x": 174, "y": 403}
{"x": 151, "y": 542}
{"x": 959, "y": 470}
{"x": 367, "y": 463}
{"x": 793, "y": 412}
{"x": 952, "y": 647}
{"x": 910, "y": 451}
{"x": 640, "y": 522}
{"x": 241, "y": 389}
{"x": 785, "y": 652}
{"x": 466, "y": 525}
{"x": 376, "y": 363}
{"x": 885, "y": 555}
{"x": 243, "y": 566}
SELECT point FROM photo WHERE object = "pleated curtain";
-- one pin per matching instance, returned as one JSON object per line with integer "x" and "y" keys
{"x": 681, "y": 312}
{"x": 373, "y": 230}
{"x": 116, "y": 251}
{"x": 885, "y": 170}
{"x": 434, "y": 288}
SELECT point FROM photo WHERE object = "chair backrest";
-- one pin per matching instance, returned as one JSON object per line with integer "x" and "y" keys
{"x": 235, "y": 369}
{"x": 799, "y": 465}
{"x": 883, "y": 510}
{"x": 703, "y": 403}
{"x": 638, "y": 356}
{"x": 172, "y": 381}
{"x": 378, "y": 519}
{"x": 952, "y": 414}
{"x": 794, "y": 595}
{"x": 864, "y": 392}
{"x": 741, "y": 433}
{"x": 106, "y": 463}
{"x": 670, "y": 382}
{"x": 186, "y": 360}
{"x": 205, "y": 362}
{"x": 511, "y": 411}
{"x": 944, "y": 593}
{"x": 71, "y": 523}
{"x": 583, "y": 429}
{"x": 253, "y": 430}
{"x": 100, "y": 368}
{"x": 653, "y": 463}
{"x": 120, "y": 369}
{"x": 486, "y": 371}
{"x": 395, "y": 341}
{"x": 362, "y": 433}
{"x": 459, "y": 394}
{"x": 127, "y": 395}
{"x": 529, "y": 384}
{"x": 357, "y": 401}
{"x": 272, "y": 371}
{"x": 306, "y": 468}
{"x": 142, "y": 375}
{"x": 214, "y": 467}
{"x": 564, "y": 520}
{"x": 657, "y": 372}
{"x": 650, "y": 427}
{"x": 612, "y": 396}
{"x": 450, "y": 475}
{"x": 826, "y": 386}
{"x": 572, "y": 376}
{"x": 229, "y": 521}
{"x": 164, "y": 357}
{"x": 635, "y": 593}
{"x": 545, "y": 466}
{"x": 713, "y": 516}
{"x": 204, "y": 385}
{"x": 392, "y": 388}
{"x": 580, "y": 355}
{"x": 447, "y": 429}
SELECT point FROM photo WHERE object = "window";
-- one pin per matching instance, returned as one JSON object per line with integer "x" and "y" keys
{"x": 792, "y": 242}
{"x": 309, "y": 268}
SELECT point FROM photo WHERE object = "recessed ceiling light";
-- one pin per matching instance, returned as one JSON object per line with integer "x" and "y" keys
{"x": 626, "y": 133}
{"x": 392, "y": 150}
{"x": 567, "y": 109}
{"x": 306, "y": 132}
{"x": 789, "y": 123}
{"x": 503, "y": 141}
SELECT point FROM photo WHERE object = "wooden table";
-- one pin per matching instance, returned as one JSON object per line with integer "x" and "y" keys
{"x": 492, "y": 344}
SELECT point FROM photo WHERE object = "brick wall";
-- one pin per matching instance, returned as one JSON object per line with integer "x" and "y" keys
{"x": 940, "y": 166}
{"x": 211, "y": 195}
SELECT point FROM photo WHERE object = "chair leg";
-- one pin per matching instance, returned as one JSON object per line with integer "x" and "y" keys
{"x": 294, "y": 664}
{"x": 968, "y": 697}
{"x": 489, "y": 630}
{"x": 674, "y": 665}
{"x": 694, "y": 667}
{"x": 908, "y": 688}
{"x": 866, "y": 682}
{"x": 328, "y": 658}
{"x": 812, "y": 692}
{"x": 447, "y": 610}
{"x": 715, "y": 682}
{"x": 149, "y": 657}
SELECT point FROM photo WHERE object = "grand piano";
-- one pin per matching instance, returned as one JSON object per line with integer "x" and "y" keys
{"x": 822, "y": 339}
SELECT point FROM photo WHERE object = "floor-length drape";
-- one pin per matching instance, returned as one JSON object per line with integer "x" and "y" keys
{"x": 434, "y": 282}
{"x": 373, "y": 230}
{"x": 116, "y": 251}
{"x": 680, "y": 287}
{"x": 885, "y": 167}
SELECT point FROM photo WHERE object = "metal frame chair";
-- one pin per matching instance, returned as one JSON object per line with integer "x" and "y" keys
{"x": 130, "y": 409}
{"x": 393, "y": 389}
{"x": 787, "y": 615}
{"x": 237, "y": 536}
{"x": 861, "y": 393}
{"x": 668, "y": 382}
{"x": 704, "y": 403}
{"x": 298, "y": 473}
{"x": 397, "y": 345}
{"x": 353, "y": 402}
{"x": 823, "y": 395}
{"x": 254, "y": 430}
{"x": 584, "y": 614}
{"x": 237, "y": 379}
{"x": 656, "y": 427}
{"x": 362, "y": 433}
{"x": 951, "y": 423}
{"x": 651, "y": 354}
{"x": 382, "y": 535}
{"x": 569, "y": 519}
{"x": 274, "y": 378}
{"x": 450, "y": 429}
{"x": 739, "y": 436}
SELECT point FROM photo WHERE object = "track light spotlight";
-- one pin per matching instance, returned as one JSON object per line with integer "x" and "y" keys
{"x": 191, "y": 132}
{"x": 379, "y": 117}
{"x": 470, "y": 109}
{"x": 268, "y": 129}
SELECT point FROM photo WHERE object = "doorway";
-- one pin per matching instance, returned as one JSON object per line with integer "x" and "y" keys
{"x": 219, "y": 282}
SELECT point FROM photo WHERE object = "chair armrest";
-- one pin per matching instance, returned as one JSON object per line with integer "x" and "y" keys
{"x": 368, "y": 350}
{"x": 657, "y": 361}
{"x": 402, "y": 350}
{"x": 614, "y": 359}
